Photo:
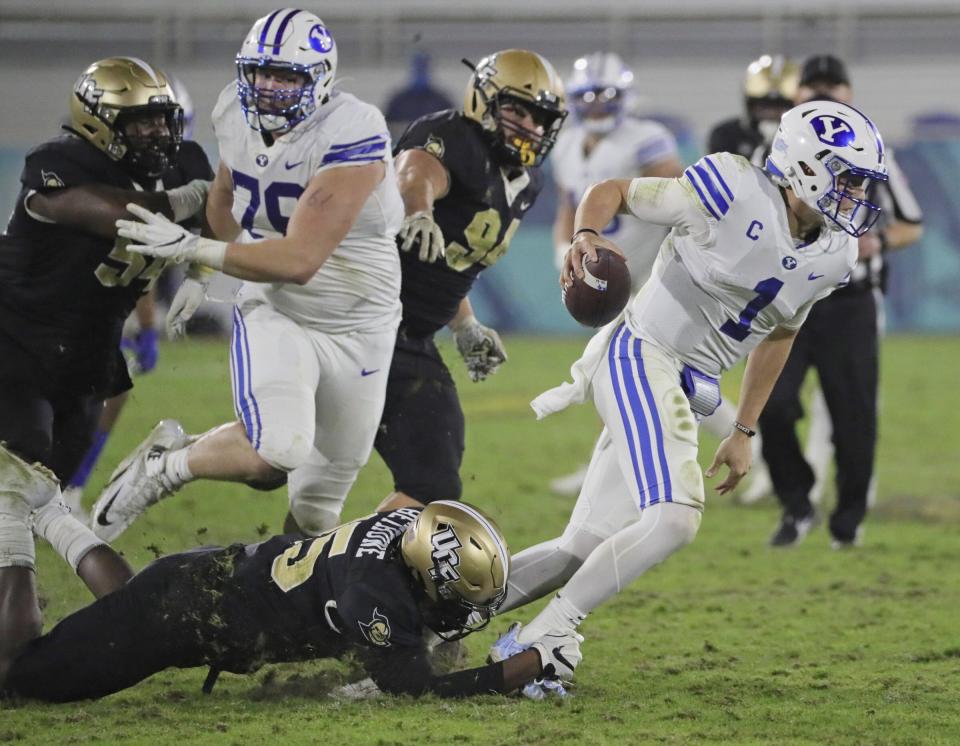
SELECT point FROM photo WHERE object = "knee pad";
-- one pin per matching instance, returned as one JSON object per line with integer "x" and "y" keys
{"x": 681, "y": 521}
{"x": 318, "y": 489}
{"x": 285, "y": 448}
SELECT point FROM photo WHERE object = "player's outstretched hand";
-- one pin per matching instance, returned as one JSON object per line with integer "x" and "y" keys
{"x": 154, "y": 235}
{"x": 735, "y": 452}
{"x": 185, "y": 303}
{"x": 480, "y": 347}
{"x": 583, "y": 245}
{"x": 420, "y": 228}
{"x": 559, "y": 654}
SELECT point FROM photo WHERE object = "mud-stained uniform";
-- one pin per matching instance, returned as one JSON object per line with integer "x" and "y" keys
{"x": 64, "y": 295}
{"x": 421, "y": 436}
{"x": 240, "y": 607}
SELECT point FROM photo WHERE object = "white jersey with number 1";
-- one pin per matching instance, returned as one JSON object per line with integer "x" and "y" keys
{"x": 358, "y": 287}
{"x": 730, "y": 273}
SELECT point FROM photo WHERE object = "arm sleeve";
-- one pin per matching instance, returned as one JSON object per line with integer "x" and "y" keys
{"x": 364, "y": 139}
{"x": 669, "y": 202}
{"x": 408, "y": 671}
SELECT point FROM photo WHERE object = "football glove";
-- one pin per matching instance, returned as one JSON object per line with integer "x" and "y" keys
{"x": 155, "y": 235}
{"x": 480, "y": 347}
{"x": 540, "y": 689}
{"x": 420, "y": 228}
{"x": 191, "y": 293}
{"x": 559, "y": 654}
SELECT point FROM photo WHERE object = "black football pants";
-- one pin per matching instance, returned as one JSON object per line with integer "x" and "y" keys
{"x": 840, "y": 341}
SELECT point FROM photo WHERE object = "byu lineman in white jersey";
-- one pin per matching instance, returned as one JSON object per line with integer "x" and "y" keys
{"x": 306, "y": 203}
{"x": 750, "y": 251}
{"x": 605, "y": 143}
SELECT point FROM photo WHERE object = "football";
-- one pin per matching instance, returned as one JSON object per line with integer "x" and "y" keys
{"x": 603, "y": 292}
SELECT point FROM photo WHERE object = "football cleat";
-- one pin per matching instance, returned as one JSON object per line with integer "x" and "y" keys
{"x": 792, "y": 530}
{"x": 24, "y": 487}
{"x": 508, "y": 646}
{"x": 137, "y": 483}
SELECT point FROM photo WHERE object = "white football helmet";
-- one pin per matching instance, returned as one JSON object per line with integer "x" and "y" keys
{"x": 598, "y": 89}
{"x": 829, "y": 154}
{"x": 290, "y": 40}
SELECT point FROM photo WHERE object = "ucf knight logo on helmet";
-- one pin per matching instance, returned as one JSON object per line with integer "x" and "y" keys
{"x": 445, "y": 557}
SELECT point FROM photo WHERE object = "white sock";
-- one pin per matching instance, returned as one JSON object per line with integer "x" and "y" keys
{"x": 559, "y": 615}
{"x": 68, "y": 537}
{"x": 16, "y": 543}
{"x": 176, "y": 469}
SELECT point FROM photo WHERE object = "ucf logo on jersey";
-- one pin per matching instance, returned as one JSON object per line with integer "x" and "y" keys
{"x": 445, "y": 557}
{"x": 377, "y": 630}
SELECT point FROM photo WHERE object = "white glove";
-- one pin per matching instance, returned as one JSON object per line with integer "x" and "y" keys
{"x": 559, "y": 654}
{"x": 185, "y": 303}
{"x": 187, "y": 200}
{"x": 420, "y": 227}
{"x": 158, "y": 236}
{"x": 480, "y": 347}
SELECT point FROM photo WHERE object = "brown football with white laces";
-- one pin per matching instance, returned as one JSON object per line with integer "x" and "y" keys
{"x": 603, "y": 292}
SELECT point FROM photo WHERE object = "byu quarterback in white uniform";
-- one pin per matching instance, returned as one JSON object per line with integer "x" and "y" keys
{"x": 603, "y": 144}
{"x": 749, "y": 252}
{"x": 307, "y": 202}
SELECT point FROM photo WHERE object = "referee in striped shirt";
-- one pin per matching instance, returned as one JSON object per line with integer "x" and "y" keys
{"x": 840, "y": 339}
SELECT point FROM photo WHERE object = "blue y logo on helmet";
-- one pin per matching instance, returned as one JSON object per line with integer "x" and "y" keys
{"x": 832, "y": 130}
{"x": 320, "y": 39}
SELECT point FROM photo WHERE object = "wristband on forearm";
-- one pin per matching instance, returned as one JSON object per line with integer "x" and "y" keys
{"x": 583, "y": 230}
{"x": 744, "y": 429}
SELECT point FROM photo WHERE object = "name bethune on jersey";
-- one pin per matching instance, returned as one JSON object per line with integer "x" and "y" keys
{"x": 384, "y": 531}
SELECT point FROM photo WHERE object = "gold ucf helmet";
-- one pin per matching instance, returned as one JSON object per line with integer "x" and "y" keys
{"x": 770, "y": 87}
{"x": 528, "y": 79}
{"x": 112, "y": 91}
{"x": 460, "y": 559}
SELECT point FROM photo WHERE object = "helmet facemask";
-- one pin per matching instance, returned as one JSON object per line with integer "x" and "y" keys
{"x": 520, "y": 145}
{"x": 599, "y": 110}
{"x": 150, "y": 155}
{"x": 845, "y": 205}
{"x": 276, "y": 110}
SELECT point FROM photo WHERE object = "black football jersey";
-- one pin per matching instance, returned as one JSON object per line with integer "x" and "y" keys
{"x": 731, "y": 136}
{"x": 477, "y": 218}
{"x": 65, "y": 293}
{"x": 303, "y": 598}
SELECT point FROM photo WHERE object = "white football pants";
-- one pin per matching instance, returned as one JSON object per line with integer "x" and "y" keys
{"x": 310, "y": 403}
{"x": 643, "y": 494}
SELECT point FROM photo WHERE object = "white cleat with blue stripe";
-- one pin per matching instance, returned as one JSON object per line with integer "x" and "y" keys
{"x": 138, "y": 482}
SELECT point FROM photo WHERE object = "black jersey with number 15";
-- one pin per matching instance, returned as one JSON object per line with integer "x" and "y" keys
{"x": 295, "y": 598}
{"x": 478, "y": 217}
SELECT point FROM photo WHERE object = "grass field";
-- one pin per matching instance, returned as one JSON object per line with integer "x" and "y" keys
{"x": 727, "y": 642}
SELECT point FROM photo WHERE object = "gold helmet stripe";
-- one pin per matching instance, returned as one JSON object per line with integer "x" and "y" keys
{"x": 146, "y": 66}
{"x": 482, "y": 520}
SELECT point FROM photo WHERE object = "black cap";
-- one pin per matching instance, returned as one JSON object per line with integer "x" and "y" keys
{"x": 824, "y": 68}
